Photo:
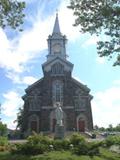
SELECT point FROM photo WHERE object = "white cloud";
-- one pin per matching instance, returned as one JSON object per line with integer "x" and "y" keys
{"x": 10, "y": 108}
{"x": 106, "y": 107}
{"x": 12, "y": 102}
{"x": 91, "y": 41}
{"x": 18, "y": 79}
{"x": 67, "y": 20}
{"x": 116, "y": 82}
{"x": 16, "y": 53}
{"x": 100, "y": 60}
{"x": 29, "y": 80}
{"x": 10, "y": 123}
{"x": 78, "y": 79}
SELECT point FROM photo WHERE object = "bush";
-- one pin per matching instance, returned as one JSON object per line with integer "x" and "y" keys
{"x": 61, "y": 144}
{"x": 38, "y": 139}
{"x": 36, "y": 144}
{"x": 76, "y": 138}
{"x": 57, "y": 144}
{"x": 85, "y": 148}
{"x": 3, "y": 148}
{"x": 3, "y": 141}
{"x": 27, "y": 149}
{"x": 112, "y": 140}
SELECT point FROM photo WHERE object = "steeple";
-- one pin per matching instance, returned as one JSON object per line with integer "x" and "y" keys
{"x": 56, "y": 28}
{"x": 56, "y": 42}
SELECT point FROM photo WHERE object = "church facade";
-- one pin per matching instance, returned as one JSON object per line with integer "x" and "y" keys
{"x": 57, "y": 85}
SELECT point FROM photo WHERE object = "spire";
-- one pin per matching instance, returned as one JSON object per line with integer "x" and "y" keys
{"x": 56, "y": 28}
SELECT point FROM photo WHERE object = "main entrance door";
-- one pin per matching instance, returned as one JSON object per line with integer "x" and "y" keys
{"x": 34, "y": 126}
{"x": 81, "y": 125}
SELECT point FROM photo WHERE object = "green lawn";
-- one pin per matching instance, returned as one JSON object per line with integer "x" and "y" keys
{"x": 63, "y": 155}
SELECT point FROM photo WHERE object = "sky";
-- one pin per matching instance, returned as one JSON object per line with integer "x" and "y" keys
{"x": 22, "y": 53}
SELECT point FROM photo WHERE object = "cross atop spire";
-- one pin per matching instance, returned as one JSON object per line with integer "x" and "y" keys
{"x": 56, "y": 28}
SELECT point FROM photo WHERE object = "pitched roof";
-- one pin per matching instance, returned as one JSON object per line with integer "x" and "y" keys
{"x": 56, "y": 28}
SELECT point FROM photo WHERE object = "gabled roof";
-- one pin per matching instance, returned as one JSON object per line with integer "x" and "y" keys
{"x": 55, "y": 59}
{"x": 56, "y": 28}
{"x": 33, "y": 85}
{"x": 80, "y": 84}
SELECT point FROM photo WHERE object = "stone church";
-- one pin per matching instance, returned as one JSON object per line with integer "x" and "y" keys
{"x": 57, "y": 85}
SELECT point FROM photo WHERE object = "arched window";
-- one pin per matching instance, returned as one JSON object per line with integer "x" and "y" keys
{"x": 34, "y": 123}
{"x": 57, "y": 91}
{"x": 57, "y": 69}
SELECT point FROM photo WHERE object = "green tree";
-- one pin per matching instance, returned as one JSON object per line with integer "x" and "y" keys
{"x": 100, "y": 17}
{"x": 20, "y": 116}
{"x": 3, "y": 129}
{"x": 11, "y": 13}
{"x": 117, "y": 128}
{"x": 110, "y": 128}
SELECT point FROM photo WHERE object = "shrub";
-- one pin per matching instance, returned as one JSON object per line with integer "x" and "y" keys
{"x": 38, "y": 139}
{"x": 3, "y": 148}
{"x": 57, "y": 144}
{"x": 76, "y": 138}
{"x": 27, "y": 149}
{"x": 93, "y": 148}
{"x": 85, "y": 148}
{"x": 65, "y": 144}
{"x": 36, "y": 144}
{"x": 80, "y": 149}
{"x": 61, "y": 144}
{"x": 112, "y": 140}
{"x": 3, "y": 141}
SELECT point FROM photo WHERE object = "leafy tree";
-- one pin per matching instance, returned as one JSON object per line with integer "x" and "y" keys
{"x": 100, "y": 17}
{"x": 117, "y": 128}
{"x": 3, "y": 129}
{"x": 19, "y": 120}
{"x": 11, "y": 13}
{"x": 110, "y": 128}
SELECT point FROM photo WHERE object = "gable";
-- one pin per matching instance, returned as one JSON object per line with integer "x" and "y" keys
{"x": 80, "y": 85}
{"x": 34, "y": 85}
{"x": 57, "y": 62}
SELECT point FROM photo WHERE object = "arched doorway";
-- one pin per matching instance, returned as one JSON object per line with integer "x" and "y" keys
{"x": 81, "y": 123}
{"x": 34, "y": 123}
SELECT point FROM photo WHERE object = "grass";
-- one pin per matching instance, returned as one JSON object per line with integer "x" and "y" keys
{"x": 105, "y": 154}
{"x": 8, "y": 156}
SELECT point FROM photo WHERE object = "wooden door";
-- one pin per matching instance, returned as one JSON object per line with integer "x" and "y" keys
{"x": 34, "y": 126}
{"x": 81, "y": 125}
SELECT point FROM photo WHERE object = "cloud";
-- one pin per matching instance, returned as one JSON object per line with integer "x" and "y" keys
{"x": 78, "y": 79}
{"x": 16, "y": 53}
{"x": 27, "y": 1}
{"x": 29, "y": 80}
{"x": 10, "y": 59}
{"x": 10, "y": 123}
{"x": 11, "y": 104}
{"x": 67, "y": 20}
{"x": 18, "y": 79}
{"x": 100, "y": 60}
{"x": 12, "y": 101}
{"x": 116, "y": 82}
{"x": 106, "y": 108}
{"x": 91, "y": 41}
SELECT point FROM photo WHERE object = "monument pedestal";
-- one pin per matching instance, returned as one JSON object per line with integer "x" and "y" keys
{"x": 59, "y": 132}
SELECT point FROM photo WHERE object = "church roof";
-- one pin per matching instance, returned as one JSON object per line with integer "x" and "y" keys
{"x": 80, "y": 84}
{"x": 57, "y": 58}
{"x": 32, "y": 85}
{"x": 56, "y": 28}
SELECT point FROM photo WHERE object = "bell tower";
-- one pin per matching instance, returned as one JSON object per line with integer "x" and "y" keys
{"x": 56, "y": 42}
